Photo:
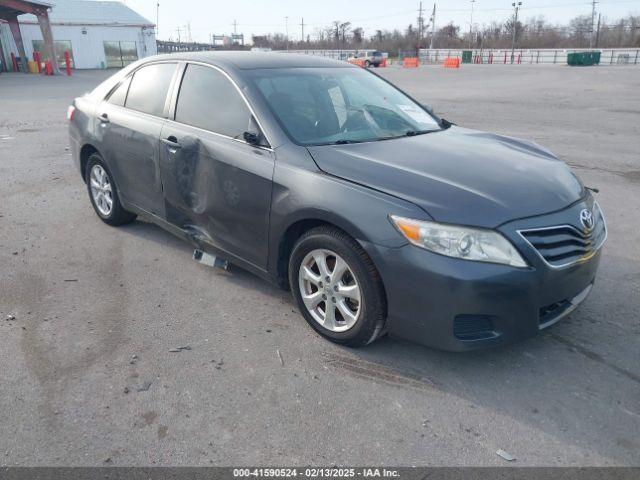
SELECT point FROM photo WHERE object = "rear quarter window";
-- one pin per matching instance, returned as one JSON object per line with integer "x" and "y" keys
{"x": 119, "y": 95}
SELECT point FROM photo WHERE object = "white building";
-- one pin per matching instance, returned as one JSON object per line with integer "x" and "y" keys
{"x": 97, "y": 34}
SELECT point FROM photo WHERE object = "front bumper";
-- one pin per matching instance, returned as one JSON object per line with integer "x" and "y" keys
{"x": 457, "y": 305}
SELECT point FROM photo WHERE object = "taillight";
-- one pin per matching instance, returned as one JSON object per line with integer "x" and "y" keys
{"x": 71, "y": 112}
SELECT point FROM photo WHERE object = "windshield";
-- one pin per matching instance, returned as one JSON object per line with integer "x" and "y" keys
{"x": 319, "y": 106}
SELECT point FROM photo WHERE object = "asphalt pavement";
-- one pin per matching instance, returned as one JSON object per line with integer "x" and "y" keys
{"x": 87, "y": 373}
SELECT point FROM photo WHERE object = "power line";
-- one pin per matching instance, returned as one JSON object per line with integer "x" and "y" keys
{"x": 406, "y": 12}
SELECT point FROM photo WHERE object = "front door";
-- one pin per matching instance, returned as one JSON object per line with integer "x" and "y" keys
{"x": 215, "y": 182}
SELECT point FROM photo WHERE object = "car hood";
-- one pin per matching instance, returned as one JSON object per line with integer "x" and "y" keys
{"x": 458, "y": 175}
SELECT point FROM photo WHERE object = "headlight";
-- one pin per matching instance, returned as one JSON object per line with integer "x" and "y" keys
{"x": 476, "y": 244}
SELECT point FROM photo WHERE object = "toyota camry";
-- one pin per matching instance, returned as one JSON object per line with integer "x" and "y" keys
{"x": 326, "y": 179}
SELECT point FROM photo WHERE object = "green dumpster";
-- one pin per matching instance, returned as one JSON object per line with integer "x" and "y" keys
{"x": 467, "y": 56}
{"x": 583, "y": 58}
{"x": 594, "y": 58}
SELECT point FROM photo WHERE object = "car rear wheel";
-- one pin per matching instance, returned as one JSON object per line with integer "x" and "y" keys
{"x": 337, "y": 288}
{"x": 104, "y": 194}
{"x": 367, "y": 63}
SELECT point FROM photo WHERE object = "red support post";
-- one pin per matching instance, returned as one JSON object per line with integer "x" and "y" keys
{"x": 14, "y": 62}
{"x": 38, "y": 60}
{"x": 67, "y": 62}
{"x": 505, "y": 58}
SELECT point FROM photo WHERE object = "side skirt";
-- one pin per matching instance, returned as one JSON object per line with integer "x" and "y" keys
{"x": 200, "y": 242}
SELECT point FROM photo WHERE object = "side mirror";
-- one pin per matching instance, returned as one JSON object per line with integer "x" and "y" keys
{"x": 251, "y": 138}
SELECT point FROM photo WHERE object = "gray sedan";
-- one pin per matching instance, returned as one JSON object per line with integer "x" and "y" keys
{"x": 326, "y": 179}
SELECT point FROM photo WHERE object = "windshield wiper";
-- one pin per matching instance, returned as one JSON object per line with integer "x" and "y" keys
{"x": 413, "y": 133}
{"x": 343, "y": 141}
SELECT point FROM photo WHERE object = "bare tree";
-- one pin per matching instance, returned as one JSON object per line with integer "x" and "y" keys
{"x": 534, "y": 32}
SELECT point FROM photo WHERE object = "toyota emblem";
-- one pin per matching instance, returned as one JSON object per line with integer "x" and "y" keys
{"x": 586, "y": 218}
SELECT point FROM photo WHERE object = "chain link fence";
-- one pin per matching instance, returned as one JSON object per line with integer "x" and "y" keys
{"x": 608, "y": 56}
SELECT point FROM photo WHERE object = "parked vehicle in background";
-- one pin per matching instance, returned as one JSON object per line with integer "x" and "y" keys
{"x": 324, "y": 178}
{"x": 370, "y": 57}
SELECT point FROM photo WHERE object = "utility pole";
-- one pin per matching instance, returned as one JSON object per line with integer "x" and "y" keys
{"x": 433, "y": 26}
{"x": 516, "y": 6}
{"x": 420, "y": 27}
{"x": 157, "y": 17}
{"x": 593, "y": 21}
{"x": 178, "y": 29}
{"x": 471, "y": 24}
{"x": 286, "y": 29}
{"x": 598, "y": 32}
{"x": 302, "y": 27}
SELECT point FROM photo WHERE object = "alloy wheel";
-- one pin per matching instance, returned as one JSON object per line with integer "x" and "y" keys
{"x": 101, "y": 190}
{"x": 329, "y": 290}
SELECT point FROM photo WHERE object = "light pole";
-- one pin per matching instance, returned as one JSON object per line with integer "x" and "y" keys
{"x": 516, "y": 6}
{"x": 433, "y": 26}
{"x": 593, "y": 21}
{"x": 286, "y": 29}
{"x": 471, "y": 24}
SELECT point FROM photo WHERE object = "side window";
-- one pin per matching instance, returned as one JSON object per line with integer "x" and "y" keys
{"x": 119, "y": 95}
{"x": 149, "y": 86}
{"x": 208, "y": 100}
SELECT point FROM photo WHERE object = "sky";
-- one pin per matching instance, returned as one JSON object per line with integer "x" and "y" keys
{"x": 268, "y": 16}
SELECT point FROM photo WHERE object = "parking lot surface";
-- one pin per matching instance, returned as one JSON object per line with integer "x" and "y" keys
{"x": 87, "y": 376}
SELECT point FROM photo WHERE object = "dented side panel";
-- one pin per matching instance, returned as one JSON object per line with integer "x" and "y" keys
{"x": 219, "y": 188}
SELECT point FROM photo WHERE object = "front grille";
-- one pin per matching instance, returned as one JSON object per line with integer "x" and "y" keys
{"x": 473, "y": 327}
{"x": 564, "y": 245}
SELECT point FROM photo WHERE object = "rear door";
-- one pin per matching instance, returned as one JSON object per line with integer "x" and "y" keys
{"x": 130, "y": 122}
{"x": 215, "y": 182}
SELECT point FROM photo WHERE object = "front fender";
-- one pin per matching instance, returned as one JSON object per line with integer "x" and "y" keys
{"x": 301, "y": 194}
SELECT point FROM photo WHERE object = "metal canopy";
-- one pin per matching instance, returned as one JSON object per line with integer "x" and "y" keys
{"x": 9, "y": 11}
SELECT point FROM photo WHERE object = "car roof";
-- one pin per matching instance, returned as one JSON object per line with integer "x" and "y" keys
{"x": 255, "y": 60}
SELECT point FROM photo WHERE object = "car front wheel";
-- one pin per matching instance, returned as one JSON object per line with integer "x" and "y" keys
{"x": 337, "y": 287}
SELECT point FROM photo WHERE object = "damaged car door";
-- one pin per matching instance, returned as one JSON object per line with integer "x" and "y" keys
{"x": 216, "y": 166}
{"x": 130, "y": 121}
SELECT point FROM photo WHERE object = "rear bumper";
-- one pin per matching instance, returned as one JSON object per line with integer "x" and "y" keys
{"x": 74, "y": 146}
{"x": 459, "y": 305}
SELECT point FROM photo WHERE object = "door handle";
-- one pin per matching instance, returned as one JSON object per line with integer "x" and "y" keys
{"x": 104, "y": 118}
{"x": 171, "y": 142}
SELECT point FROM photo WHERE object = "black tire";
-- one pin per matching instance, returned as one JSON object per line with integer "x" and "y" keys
{"x": 367, "y": 64}
{"x": 371, "y": 320}
{"x": 118, "y": 215}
